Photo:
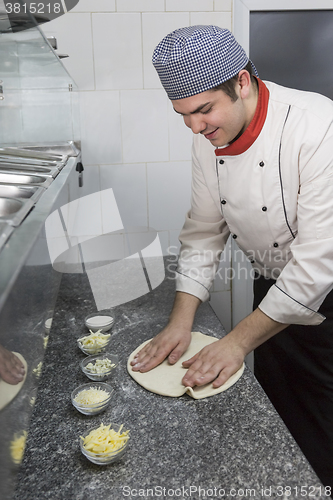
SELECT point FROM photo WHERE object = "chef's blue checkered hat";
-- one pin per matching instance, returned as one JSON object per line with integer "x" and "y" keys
{"x": 197, "y": 58}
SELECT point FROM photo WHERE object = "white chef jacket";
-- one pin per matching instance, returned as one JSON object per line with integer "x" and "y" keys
{"x": 276, "y": 199}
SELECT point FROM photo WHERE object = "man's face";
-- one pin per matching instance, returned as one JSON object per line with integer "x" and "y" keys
{"x": 213, "y": 114}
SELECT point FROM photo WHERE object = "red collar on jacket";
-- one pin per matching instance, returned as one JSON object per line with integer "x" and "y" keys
{"x": 253, "y": 130}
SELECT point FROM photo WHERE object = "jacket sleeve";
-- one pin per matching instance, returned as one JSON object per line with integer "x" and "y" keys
{"x": 308, "y": 276}
{"x": 202, "y": 238}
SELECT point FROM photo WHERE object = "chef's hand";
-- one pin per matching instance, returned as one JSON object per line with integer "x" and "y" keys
{"x": 218, "y": 361}
{"x": 214, "y": 363}
{"x": 11, "y": 368}
{"x": 170, "y": 343}
{"x": 174, "y": 339}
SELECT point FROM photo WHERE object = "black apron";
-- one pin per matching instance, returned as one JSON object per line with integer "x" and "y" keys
{"x": 295, "y": 369}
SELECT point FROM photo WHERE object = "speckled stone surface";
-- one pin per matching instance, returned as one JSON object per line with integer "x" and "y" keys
{"x": 232, "y": 445}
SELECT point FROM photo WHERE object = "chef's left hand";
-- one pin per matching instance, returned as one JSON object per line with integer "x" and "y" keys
{"x": 218, "y": 361}
{"x": 214, "y": 363}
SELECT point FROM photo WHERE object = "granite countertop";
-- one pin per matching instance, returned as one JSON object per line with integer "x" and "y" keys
{"x": 232, "y": 445}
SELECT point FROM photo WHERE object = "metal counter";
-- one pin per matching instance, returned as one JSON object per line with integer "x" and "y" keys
{"x": 28, "y": 291}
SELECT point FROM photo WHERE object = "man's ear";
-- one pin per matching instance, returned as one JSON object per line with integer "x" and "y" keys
{"x": 244, "y": 83}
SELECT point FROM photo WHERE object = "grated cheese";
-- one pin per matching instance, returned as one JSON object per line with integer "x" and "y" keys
{"x": 105, "y": 440}
{"x": 94, "y": 341}
{"x": 100, "y": 366}
{"x": 91, "y": 396}
{"x": 38, "y": 370}
{"x": 17, "y": 447}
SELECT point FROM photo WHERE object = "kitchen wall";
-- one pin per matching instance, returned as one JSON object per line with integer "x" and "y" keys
{"x": 132, "y": 140}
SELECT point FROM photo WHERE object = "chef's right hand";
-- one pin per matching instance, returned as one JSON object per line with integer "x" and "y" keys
{"x": 170, "y": 343}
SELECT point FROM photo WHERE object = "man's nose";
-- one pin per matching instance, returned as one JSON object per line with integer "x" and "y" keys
{"x": 195, "y": 123}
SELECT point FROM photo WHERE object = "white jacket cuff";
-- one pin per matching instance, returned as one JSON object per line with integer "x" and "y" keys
{"x": 191, "y": 286}
{"x": 282, "y": 308}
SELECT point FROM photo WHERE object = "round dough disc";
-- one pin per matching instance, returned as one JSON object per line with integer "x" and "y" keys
{"x": 166, "y": 379}
{"x": 9, "y": 391}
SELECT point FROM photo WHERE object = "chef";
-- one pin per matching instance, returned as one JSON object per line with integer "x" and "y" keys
{"x": 262, "y": 173}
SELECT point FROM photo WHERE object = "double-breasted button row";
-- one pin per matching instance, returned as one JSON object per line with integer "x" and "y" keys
{"x": 261, "y": 163}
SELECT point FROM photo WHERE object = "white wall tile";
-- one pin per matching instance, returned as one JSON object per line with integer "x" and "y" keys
{"x": 222, "y": 281}
{"x": 154, "y": 263}
{"x": 144, "y": 125}
{"x": 169, "y": 188}
{"x": 100, "y": 122}
{"x": 74, "y": 37}
{"x": 180, "y": 137}
{"x": 130, "y": 190}
{"x": 140, "y": 5}
{"x": 92, "y": 215}
{"x": 117, "y": 51}
{"x": 11, "y": 114}
{"x": 103, "y": 248}
{"x": 164, "y": 241}
{"x": 95, "y": 6}
{"x": 111, "y": 217}
{"x": 171, "y": 267}
{"x": 46, "y": 116}
{"x": 221, "y": 19}
{"x": 221, "y": 305}
{"x": 189, "y": 5}
{"x": 83, "y": 216}
{"x": 154, "y": 28}
{"x": 174, "y": 241}
{"x": 225, "y": 5}
{"x": 91, "y": 183}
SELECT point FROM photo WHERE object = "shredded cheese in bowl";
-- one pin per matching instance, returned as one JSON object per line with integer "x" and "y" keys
{"x": 91, "y": 399}
{"x": 94, "y": 342}
{"x": 91, "y": 396}
{"x": 105, "y": 440}
{"x": 100, "y": 366}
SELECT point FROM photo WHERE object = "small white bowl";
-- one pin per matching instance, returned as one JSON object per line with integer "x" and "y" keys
{"x": 104, "y": 458}
{"x": 92, "y": 409}
{"x": 102, "y": 321}
{"x": 92, "y": 359}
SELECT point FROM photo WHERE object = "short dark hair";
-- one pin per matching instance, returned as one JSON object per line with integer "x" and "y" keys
{"x": 228, "y": 87}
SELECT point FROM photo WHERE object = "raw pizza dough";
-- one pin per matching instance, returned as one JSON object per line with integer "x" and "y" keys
{"x": 9, "y": 391}
{"x": 166, "y": 379}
